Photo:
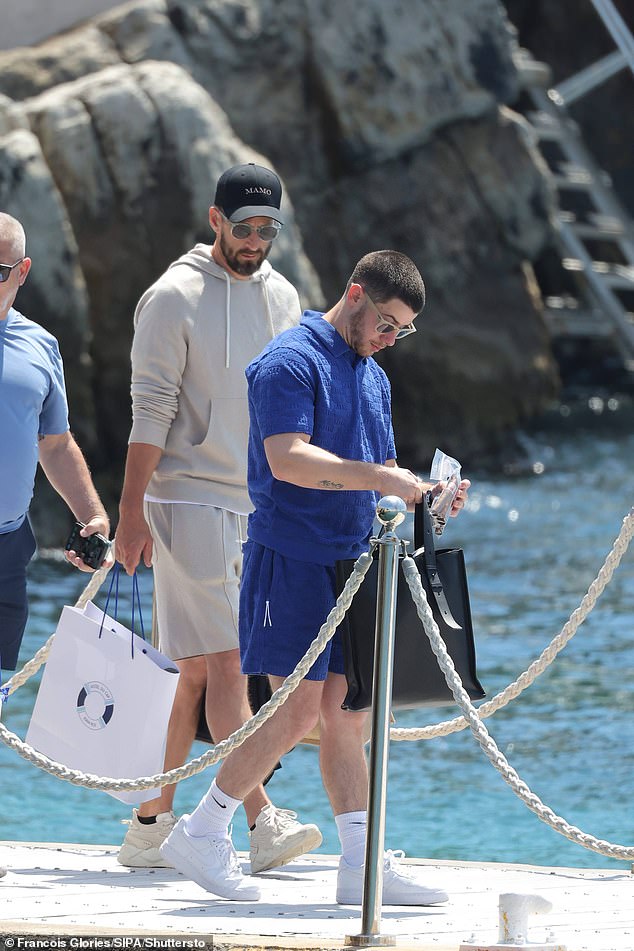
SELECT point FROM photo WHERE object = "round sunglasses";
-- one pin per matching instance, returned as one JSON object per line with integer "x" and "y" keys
{"x": 386, "y": 326}
{"x": 242, "y": 230}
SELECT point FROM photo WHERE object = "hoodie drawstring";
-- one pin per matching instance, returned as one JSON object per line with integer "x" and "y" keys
{"x": 267, "y": 304}
{"x": 227, "y": 320}
{"x": 262, "y": 279}
{"x": 201, "y": 259}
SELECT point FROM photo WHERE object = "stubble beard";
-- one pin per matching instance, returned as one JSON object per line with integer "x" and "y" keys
{"x": 355, "y": 335}
{"x": 240, "y": 266}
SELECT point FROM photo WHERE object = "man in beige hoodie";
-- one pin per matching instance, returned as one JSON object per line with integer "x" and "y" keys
{"x": 184, "y": 502}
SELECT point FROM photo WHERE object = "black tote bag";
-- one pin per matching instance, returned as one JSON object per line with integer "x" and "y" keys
{"x": 418, "y": 680}
{"x": 258, "y": 692}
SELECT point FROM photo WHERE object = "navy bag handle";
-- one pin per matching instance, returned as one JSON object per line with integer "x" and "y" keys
{"x": 136, "y": 602}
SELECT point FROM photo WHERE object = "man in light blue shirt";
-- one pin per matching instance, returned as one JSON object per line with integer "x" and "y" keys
{"x": 33, "y": 427}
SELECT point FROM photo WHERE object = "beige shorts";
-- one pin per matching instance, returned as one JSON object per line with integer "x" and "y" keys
{"x": 197, "y": 562}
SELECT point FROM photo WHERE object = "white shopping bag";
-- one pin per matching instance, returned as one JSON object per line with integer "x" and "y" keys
{"x": 104, "y": 701}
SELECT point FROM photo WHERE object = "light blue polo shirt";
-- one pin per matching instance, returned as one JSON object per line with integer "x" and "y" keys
{"x": 32, "y": 401}
{"x": 308, "y": 380}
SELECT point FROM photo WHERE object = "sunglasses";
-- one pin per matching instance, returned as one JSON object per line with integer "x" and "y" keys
{"x": 386, "y": 326}
{"x": 242, "y": 230}
{"x": 5, "y": 270}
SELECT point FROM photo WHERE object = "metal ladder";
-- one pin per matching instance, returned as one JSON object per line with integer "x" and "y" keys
{"x": 590, "y": 221}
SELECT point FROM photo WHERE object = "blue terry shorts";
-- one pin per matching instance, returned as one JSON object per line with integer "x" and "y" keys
{"x": 16, "y": 551}
{"x": 283, "y": 603}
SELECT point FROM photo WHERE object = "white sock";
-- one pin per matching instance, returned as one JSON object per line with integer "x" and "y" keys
{"x": 352, "y": 827}
{"x": 213, "y": 813}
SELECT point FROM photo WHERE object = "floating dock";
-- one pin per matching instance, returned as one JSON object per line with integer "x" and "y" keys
{"x": 78, "y": 898}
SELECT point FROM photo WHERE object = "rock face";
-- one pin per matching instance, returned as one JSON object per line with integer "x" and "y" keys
{"x": 388, "y": 125}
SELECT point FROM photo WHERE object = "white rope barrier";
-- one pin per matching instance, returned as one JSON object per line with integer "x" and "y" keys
{"x": 220, "y": 750}
{"x": 514, "y": 689}
{"x": 470, "y": 716}
{"x": 32, "y": 666}
{"x": 488, "y": 745}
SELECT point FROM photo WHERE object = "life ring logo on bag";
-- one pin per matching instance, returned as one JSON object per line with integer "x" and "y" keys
{"x": 95, "y": 705}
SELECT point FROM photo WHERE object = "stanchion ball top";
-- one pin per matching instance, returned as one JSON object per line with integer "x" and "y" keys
{"x": 391, "y": 510}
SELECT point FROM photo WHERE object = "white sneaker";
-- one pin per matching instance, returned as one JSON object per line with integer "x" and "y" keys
{"x": 210, "y": 861}
{"x": 399, "y": 887}
{"x": 279, "y": 838}
{"x": 140, "y": 848}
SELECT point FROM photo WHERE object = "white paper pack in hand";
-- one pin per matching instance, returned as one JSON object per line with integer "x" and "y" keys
{"x": 100, "y": 709}
{"x": 443, "y": 469}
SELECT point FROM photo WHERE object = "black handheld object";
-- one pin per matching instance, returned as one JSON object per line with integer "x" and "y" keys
{"x": 91, "y": 550}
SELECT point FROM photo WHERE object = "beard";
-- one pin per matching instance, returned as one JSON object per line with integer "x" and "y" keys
{"x": 239, "y": 265}
{"x": 356, "y": 333}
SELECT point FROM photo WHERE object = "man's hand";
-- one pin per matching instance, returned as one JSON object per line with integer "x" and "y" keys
{"x": 403, "y": 483}
{"x": 460, "y": 499}
{"x": 100, "y": 525}
{"x": 133, "y": 541}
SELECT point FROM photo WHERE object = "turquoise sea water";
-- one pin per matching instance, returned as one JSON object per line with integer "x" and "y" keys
{"x": 533, "y": 545}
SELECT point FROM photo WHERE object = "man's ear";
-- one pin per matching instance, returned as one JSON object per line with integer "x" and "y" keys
{"x": 354, "y": 294}
{"x": 25, "y": 267}
{"x": 215, "y": 219}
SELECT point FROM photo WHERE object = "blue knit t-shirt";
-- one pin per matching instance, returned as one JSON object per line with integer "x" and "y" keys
{"x": 308, "y": 380}
{"x": 32, "y": 402}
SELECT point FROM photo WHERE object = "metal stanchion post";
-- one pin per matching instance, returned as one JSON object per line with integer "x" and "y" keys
{"x": 391, "y": 512}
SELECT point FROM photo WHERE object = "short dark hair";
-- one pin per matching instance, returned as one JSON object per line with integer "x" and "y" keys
{"x": 388, "y": 274}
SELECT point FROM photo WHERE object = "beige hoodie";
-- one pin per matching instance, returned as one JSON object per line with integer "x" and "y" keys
{"x": 196, "y": 329}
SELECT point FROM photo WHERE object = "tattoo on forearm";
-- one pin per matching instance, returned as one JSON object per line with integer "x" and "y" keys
{"x": 327, "y": 484}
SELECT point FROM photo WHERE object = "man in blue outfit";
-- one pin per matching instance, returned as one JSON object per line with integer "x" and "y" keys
{"x": 33, "y": 427}
{"x": 321, "y": 452}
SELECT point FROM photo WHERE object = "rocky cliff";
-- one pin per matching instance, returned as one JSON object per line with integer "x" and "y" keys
{"x": 388, "y": 122}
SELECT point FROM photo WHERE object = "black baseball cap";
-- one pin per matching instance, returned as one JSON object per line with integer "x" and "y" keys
{"x": 249, "y": 191}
